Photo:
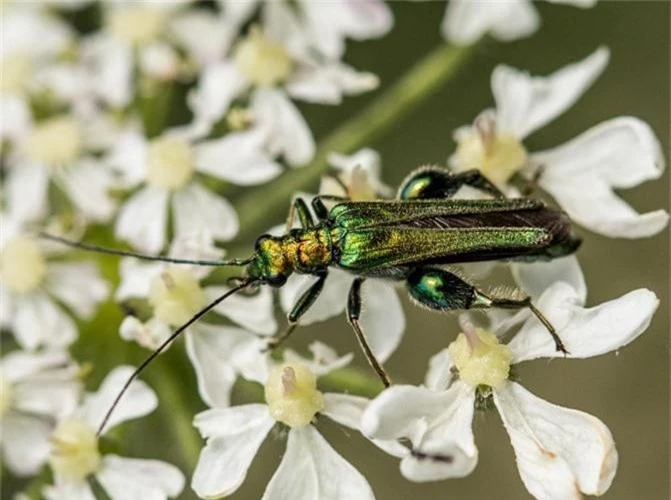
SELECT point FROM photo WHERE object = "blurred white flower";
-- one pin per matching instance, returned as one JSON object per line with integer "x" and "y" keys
{"x": 561, "y": 453}
{"x": 327, "y": 25}
{"x": 581, "y": 174}
{"x": 218, "y": 353}
{"x": 382, "y": 318}
{"x": 34, "y": 287}
{"x": 36, "y": 389}
{"x": 57, "y": 151}
{"x": 168, "y": 171}
{"x": 276, "y": 61}
{"x": 310, "y": 468}
{"x": 466, "y": 21}
{"x": 135, "y": 36}
{"x": 75, "y": 456}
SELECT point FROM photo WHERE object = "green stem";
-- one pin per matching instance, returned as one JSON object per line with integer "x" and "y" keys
{"x": 429, "y": 74}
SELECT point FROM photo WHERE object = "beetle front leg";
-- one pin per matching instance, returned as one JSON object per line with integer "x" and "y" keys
{"x": 300, "y": 308}
{"x": 444, "y": 291}
{"x": 353, "y": 313}
{"x": 304, "y": 216}
{"x": 440, "y": 183}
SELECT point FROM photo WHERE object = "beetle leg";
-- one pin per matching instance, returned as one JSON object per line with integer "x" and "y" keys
{"x": 304, "y": 216}
{"x": 444, "y": 291}
{"x": 353, "y": 313}
{"x": 318, "y": 204}
{"x": 300, "y": 308}
{"x": 440, "y": 183}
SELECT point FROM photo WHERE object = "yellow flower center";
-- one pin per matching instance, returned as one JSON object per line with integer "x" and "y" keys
{"x": 261, "y": 60}
{"x": 292, "y": 395}
{"x": 6, "y": 394}
{"x": 56, "y": 142}
{"x": 14, "y": 72}
{"x": 176, "y": 296}
{"x": 74, "y": 451}
{"x": 169, "y": 162}
{"x": 22, "y": 265}
{"x": 137, "y": 24}
{"x": 498, "y": 155}
{"x": 480, "y": 358}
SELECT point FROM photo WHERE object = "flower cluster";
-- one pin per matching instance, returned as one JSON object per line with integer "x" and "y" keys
{"x": 140, "y": 123}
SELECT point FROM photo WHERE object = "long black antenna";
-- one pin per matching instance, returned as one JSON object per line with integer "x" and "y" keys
{"x": 164, "y": 345}
{"x": 125, "y": 253}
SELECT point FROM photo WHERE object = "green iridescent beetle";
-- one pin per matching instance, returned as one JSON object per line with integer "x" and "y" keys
{"x": 407, "y": 239}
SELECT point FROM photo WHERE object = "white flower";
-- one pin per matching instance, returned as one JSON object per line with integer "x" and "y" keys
{"x": 218, "y": 353}
{"x": 168, "y": 169}
{"x": 581, "y": 174}
{"x": 466, "y": 21}
{"x": 57, "y": 151}
{"x": 34, "y": 286}
{"x": 560, "y": 452}
{"x": 75, "y": 455}
{"x": 35, "y": 390}
{"x": 135, "y": 31}
{"x": 276, "y": 61}
{"x": 310, "y": 468}
{"x": 382, "y": 318}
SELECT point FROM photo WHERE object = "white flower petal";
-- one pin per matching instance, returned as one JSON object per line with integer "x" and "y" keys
{"x": 15, "y": 117}
{"x": 536, "y": 277}
{"x": 205, "y": 36}
{"x": 382, "y": 317}
{"x": 26, "y": 191}
{"x": 159, "y": 60}
{"x": 143, "y": 218}
{"x": 233, "y": 438}
{"x": 195, "y": 209}
{"x": 149, "y": 335}
{"x": 465, "y": 21}
{"x": 328, "y": 84}
{"x": 287, "y": 132}
{"x": 238, "y": 157}
{"x": 136, "y": 278}
{"x": 439, "y": 376}
{"x": 330, "y": 23}
{"x": 218, "y": 85}
{"x": 53, "y": 391}
{"x": 87, "y": 184}
{"x": 111, "y": 69}
{"x": 369, "y": 160}
{"x": 560, "y": 452}
{"x": 139, "y": 479}
{"x": 212, "y": 351}
{"x": 525, "y": 103}
{"x": 616, "y": 154}
{"x": 331, "y": 301}
{"x": 437, "y": 423}
{"x": 139, "y": 399}
{"x": 311, "y": 469}
{"x": 38, "y": 321}
{"x": 584, "y": 332}
{"x": 238, "y": 11}
{"x": 252, "y": 312}
{"x": 69, "y": 491}
{"x": 128, "y": 156}
{"x": 324, "y": 358}
{"x": 25, "y": 442}
{"x": 78, "y": 285}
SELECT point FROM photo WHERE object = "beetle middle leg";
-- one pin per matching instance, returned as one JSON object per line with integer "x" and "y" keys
{"x": 301, "y": 306}
{"x": 442, "y": 290}
{"x": 440, "y": 183}
{"x": 353, "y": 313}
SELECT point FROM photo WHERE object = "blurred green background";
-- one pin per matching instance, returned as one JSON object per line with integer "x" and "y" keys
{"x": 629, "y": 390}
